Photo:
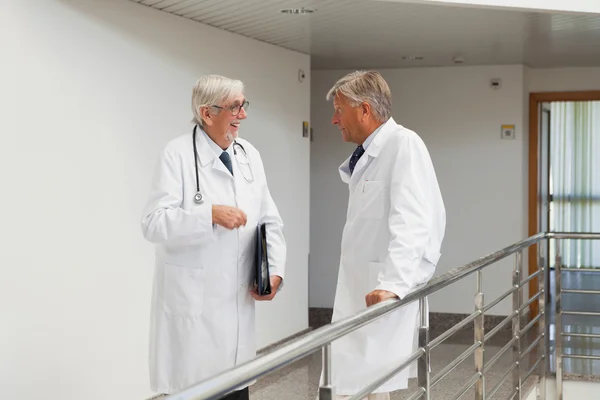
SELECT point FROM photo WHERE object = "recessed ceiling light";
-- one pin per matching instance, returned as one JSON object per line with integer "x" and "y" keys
{"x": 298, "y": 11}
{"x": 417, "y": 58}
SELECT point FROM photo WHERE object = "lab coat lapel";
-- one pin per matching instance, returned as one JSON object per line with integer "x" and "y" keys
{"x": 345, "y": 170}
{"x": 219, "y": 166}
{"x": 358, "y": 170}
{"x": 206, "y": 155}
{"x": 381, "y": 139}
{"x": 371, "y": 152}
{"x": 352, "y": 179}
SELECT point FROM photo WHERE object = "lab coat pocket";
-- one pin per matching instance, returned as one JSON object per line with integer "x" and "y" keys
{"x": 183, "y": 290}
{"x": 371, "y": 200}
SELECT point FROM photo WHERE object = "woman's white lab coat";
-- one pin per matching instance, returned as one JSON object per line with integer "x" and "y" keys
{"x": 202, "y": 320}
{"x": 391, "y": 241}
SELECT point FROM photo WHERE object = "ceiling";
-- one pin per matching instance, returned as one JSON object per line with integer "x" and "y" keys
{"x": 380, "y": 34}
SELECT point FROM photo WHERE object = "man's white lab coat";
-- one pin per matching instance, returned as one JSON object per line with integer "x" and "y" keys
{"x": 202, "y": 320}
{"x": 391, "y": 241}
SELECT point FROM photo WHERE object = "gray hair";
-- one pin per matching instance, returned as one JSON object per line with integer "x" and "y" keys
{"x": 365, "y": 87}
{"x": 211, "y": 90}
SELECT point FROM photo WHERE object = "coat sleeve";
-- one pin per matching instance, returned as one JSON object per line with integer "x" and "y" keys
{"x": 269, "y": 214}
{"x": 409, "y": 220}
{"x": 164, "y": 220}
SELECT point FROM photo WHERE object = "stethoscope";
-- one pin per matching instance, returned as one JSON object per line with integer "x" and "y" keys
{"x": 198, "y": 198}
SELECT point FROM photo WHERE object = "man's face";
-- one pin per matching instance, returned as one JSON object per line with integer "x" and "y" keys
{"x": 346, "y": 118}
{"x": 225, "y": 124}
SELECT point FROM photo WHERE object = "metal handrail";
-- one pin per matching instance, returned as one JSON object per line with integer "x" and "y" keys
{"x": 573, "y": 235}
{"x": 313, "y": 341}
{"x": 559, "y": 309}
{"x": 322, "y": 337}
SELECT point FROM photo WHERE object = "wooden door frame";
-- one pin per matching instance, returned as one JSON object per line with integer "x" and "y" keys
{"x": 535, "y": 99}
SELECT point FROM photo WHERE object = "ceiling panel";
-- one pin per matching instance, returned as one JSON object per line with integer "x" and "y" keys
{"x": 375, "y": 34}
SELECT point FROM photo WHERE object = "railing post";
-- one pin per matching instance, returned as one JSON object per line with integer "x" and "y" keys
{"x": 516, "y": 307}
{"x": 479, "y": 337}
{"x": 558, "y": 334}
{"x": 326, "y": 391}
{"x": 424, "y": 365}
{"x": 543, "y": 349}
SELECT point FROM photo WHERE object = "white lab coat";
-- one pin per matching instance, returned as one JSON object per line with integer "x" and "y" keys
{"x": 391, "y": 241}
{"x": 202, "y": 318}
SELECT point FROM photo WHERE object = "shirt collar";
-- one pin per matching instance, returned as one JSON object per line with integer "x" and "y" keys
{"x": 370, "y": 138}
{"x": 216, "y": 149}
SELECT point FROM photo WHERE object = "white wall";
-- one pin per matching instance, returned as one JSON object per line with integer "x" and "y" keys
{"x": 563, "y": 79}
{"x": 91, "y": 90}
{"x": 483, "y": 178}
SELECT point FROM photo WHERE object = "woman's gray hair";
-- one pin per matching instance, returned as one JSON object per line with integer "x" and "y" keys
{"x": 213, "y": 90}
{"x": 365, "y": 87}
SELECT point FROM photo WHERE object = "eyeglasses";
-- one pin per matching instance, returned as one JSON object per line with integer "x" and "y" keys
{"x": 235, "y": 110}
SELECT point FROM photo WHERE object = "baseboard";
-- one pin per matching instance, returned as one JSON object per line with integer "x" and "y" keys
{"x": 318, "y": 317}
{"x": 445, "y": 321}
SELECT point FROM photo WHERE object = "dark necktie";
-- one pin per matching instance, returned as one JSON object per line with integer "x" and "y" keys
{"x": 355, "y": 157}
{"x": 227, "y": 161}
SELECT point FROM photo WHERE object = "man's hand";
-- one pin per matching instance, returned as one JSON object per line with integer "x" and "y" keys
{"x": 228, "y": 217}
{"x": 377, "y": 296}
{"x": 275, "y": 282}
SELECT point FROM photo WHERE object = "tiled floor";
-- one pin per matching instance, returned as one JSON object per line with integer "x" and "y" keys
{"x": 300, "y": 380}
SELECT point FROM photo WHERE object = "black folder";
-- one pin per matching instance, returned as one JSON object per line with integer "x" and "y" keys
{"x": 261, "y": 262}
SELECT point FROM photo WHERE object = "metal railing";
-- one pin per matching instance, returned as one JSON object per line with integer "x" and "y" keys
{"x": 560, "y": 334}
{"x": 320, "y": 339}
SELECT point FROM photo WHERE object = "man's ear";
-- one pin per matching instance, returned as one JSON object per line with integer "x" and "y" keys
{"x": 365, "y": 110}
{"x": 206, "y": 115}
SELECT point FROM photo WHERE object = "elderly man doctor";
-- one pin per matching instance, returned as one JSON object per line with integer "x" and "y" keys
{"x": 209, "y": 194}
{"x": 392, "y": 237}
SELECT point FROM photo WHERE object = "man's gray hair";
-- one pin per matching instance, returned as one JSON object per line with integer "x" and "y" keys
{"x": 213, "y": 90}
{"x": 365, "y": 87}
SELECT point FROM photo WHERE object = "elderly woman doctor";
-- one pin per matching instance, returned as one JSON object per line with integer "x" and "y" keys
{"x": 209, "y": 194}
